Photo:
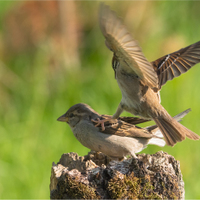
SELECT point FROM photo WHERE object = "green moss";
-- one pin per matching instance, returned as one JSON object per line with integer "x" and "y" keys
{"x": 78, "y": 190}
{"x": 71, "y": 188}
{"x": 147, "y": 192}
{"x": 120, "y": 187}
{"x": 131, "y": 187}
{"x": 171, "y": 193}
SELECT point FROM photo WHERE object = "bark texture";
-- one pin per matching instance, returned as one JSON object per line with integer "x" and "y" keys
{"x": 94, "y": 176}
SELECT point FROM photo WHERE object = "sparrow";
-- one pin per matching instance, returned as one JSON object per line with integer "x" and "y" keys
{"x": 140, "y": 80}
{"x": 119, "y": 138}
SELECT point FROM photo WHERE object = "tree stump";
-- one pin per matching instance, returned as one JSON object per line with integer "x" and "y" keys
{"x": 94, "y": 176}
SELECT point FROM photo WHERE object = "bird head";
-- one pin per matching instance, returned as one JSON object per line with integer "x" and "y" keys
{"x": 78, "y": 112}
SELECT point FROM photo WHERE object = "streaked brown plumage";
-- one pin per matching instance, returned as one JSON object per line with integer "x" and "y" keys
{"x": 119, "y": 138}
{"x": 125, "y": 126}
{"x": 140, "y": 80}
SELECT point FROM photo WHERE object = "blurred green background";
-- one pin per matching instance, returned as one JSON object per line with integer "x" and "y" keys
{"x": 52, "y": 56}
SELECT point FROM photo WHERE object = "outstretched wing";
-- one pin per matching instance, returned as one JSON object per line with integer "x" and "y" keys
{"x": 125, "y": 48}
{"x": 174, "y": 64}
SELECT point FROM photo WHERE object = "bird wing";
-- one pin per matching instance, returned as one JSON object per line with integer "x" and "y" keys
{"x": 133, "y": 120}
{"x": 121, "y": 128}
{"x": 176, "y": 63}
{"x": 125, "y": 48}
{"x": 130, "y": 120}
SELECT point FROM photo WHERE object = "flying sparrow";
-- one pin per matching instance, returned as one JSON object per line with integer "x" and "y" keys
{"x": 140, "y": 80}
{"x": 119, "y": 138}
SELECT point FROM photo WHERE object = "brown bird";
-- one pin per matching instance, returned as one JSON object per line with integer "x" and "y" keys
{"x": 119, "y": 138}
{"x": 140, "y": 80}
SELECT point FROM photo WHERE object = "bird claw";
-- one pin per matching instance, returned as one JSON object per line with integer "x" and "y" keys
{"x": 99, "y": 122}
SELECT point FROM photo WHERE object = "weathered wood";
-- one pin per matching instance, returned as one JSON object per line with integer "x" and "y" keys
{"x": 93, "y": 176}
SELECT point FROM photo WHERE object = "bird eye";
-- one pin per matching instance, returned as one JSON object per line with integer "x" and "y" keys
{"x": 71, "y": 115}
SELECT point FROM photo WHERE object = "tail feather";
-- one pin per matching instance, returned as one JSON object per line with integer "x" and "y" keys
{"x": 157, "y": 141}
{"x": 177, "y": 118}
{"x": 158, "y": 137}
{"x": 192, "y": 135}
{"x": 181, "y": 115}
{"x": 170, "y": 140}
{"x": 173, "y": 131}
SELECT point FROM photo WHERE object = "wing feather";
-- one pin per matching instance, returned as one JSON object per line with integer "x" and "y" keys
{"x": 122, "y": 128}
{"x": 125, "y": 48}
{"x": 176, "y": 63}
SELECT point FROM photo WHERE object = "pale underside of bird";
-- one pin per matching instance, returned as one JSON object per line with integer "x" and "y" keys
{"x": 120, "y": 138}
{"x": 140, "y": 80}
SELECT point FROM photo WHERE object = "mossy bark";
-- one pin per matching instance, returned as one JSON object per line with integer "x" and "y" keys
{"x": 156, "y": 176}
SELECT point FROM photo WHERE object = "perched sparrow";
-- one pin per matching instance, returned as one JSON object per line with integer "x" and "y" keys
{"x": 140, "y": 80}
{"x": 119, "y": 138}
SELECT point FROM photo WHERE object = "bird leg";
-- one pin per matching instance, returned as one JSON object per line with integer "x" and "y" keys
{"x": 115, "y": 116}
{"x": 118, "y": 112}
{"x": 100, "y": 122}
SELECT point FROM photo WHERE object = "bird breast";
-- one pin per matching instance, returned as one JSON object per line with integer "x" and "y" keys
{"x": 136, "y": 97}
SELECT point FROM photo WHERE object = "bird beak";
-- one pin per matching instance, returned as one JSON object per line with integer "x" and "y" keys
{"x": 63, "y": 118}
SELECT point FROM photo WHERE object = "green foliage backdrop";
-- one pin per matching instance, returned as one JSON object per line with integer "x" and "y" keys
{"x": 38, "y": 84}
